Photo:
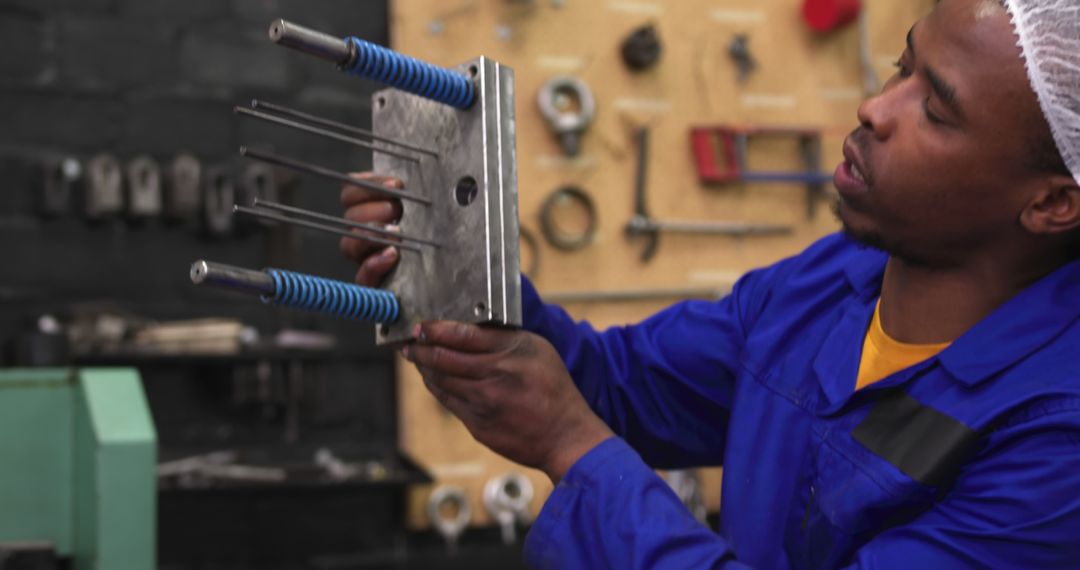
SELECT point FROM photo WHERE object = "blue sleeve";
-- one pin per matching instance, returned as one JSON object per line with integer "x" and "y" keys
{"x": 665, "y": 384}
{"x": 1016, "y": 506}
{"x": 613, "y": 511}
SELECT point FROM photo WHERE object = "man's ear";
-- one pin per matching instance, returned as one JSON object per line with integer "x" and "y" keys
{"x": 1055, "y": 208}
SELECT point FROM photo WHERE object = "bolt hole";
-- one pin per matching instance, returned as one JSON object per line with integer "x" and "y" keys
{"x": 512, "y": 489}
{"x": 384, "y": 329}
{"x": 380, "y": 102}
{"x": 480, "y": 309}
{"x": 465, "y": 191}
{"x": 473, "y": 70}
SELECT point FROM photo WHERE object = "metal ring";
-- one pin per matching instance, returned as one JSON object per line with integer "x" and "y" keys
{"x": 560, "y": 121}
{"x": 551, "y": 231}
{"x": 444, "y": 525}
{"x": 511, "y": 492}
{"x": 529, "y": 240}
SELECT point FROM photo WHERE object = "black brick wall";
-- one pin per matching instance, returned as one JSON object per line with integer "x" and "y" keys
{"x": 160, "y": 77}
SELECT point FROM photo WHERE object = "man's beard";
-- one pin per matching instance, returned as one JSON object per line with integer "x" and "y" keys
{"x": 875, "y": 240}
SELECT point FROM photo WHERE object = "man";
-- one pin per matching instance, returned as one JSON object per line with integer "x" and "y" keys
{"x": 915, "y": 404}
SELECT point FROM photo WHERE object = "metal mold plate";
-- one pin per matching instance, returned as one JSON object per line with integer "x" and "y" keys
{"x": 474, "y": 276}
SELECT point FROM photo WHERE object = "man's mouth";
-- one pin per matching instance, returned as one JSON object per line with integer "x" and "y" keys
{"x": 857, "y": 174}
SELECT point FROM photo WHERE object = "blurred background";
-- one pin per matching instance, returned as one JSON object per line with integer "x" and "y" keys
{"x": 145, "y": 422}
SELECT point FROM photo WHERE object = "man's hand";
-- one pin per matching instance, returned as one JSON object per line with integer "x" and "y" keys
{"x": 511, "y": 390}
{"x": 374, "y": 261}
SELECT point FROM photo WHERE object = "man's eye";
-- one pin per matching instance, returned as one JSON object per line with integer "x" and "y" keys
{"x": 930, "y": 116}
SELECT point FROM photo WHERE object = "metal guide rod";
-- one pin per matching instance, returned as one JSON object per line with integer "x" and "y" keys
{"x": 317, "y": 170}
{"x": 320, "y": 132}
{"x": 231, "y": 277}
{"x": 320, "y": 227}
{"x": 288, "y": 112}
{"x": 302, "y": 291}
{"x": 375, "y": 228}
{"x": 377, "y": 63}
{"x": 313, "y": 42}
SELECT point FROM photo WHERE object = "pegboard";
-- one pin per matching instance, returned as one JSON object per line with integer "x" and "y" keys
{"x": 801, "y": 79}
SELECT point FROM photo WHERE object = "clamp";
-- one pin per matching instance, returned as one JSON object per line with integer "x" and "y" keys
{"x": 720, "y": 155}
{"x": 648, "y": 228}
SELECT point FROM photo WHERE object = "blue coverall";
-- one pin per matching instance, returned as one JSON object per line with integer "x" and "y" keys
{"x": 970, "y": 459}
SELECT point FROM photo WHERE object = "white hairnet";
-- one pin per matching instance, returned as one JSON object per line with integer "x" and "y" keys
{"x": 1049, "y": 32}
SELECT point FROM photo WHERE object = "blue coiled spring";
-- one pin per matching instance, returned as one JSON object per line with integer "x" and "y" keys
{"x": 408, "y": 74}
{"x": 332, "y": 297}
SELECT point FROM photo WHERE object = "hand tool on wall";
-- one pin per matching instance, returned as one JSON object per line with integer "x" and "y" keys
{"x": 183, "y": 185}
{"x": 448, "y": 135}
{"x": 507, "y": 498}
{"x": 144, "y": 187}
{"x": 104, "y": 187}
{"x": 58, "y": 180}
{"x": 739, "y": 50}
{"x": 219, "y": 195}
{"x": 823, "y": 16}
{"x": 449, "y": 511}
{"x": 720, "y": 155}
{"x": 649, "y": 229}
{"x": 642, "y": 48}
{"x": 530, "y": 251}
{"x": 554, "y": 233}
{"x": 568, "y": 106}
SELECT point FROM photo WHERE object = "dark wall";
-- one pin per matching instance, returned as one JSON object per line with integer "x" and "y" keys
{"x": 160, "y": 77}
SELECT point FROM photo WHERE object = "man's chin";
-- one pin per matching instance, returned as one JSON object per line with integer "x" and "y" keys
{"x": 854, "y": 230}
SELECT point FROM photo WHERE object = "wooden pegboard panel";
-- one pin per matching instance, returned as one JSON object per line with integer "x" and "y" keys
{"x": 801, "y": 80}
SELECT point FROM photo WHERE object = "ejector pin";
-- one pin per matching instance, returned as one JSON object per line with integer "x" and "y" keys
{"x": 231, "y": 277}
{"x": 314, "y": 42}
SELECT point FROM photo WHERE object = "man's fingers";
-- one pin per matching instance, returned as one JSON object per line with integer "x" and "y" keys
{"x": 463, "y": 337}
{"x": 373, "y": 269}
{"x": 381, "y": 213}
{"x": 443, "y": 361}
{"x": 352, "y": 194}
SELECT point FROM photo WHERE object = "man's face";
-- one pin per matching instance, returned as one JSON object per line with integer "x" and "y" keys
{"x": 938, "y": 169}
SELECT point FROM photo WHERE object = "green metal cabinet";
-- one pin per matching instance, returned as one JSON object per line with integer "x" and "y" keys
{"x": 77, "y": 459}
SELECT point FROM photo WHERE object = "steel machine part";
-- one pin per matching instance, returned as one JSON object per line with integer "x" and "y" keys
{"x": 642, "y": 225}
{"x": 183, "y": 185}
{"x": 507, "y": 500}
{"x": 144, "y": 187}
{"x": 104, "y": 187}
{"x": 449, "y": 136}
{"x": 568, "y": 105}
{"x": 449, "y": 511}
